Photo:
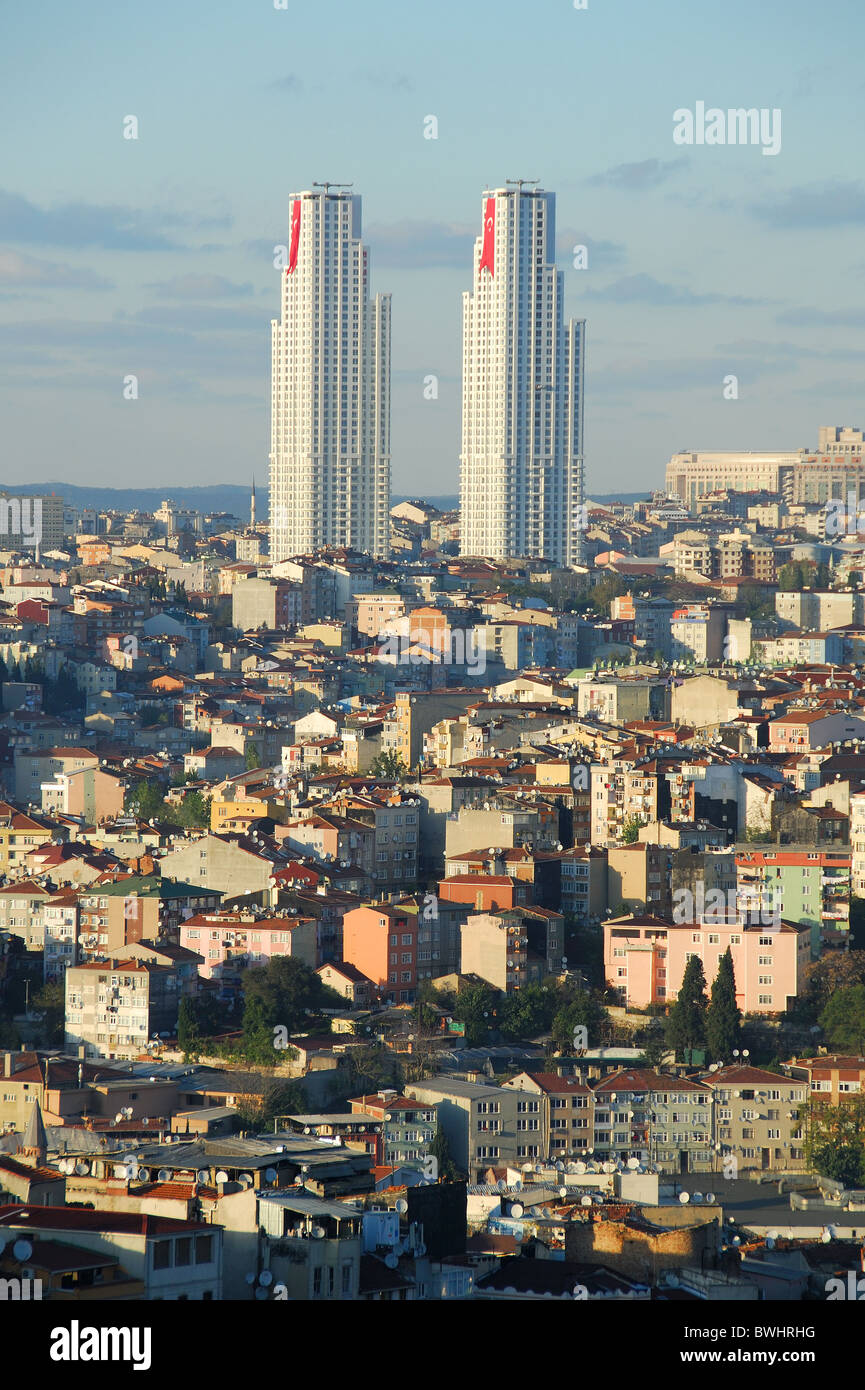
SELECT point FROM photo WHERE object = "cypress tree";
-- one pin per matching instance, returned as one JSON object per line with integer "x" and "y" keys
{"x": 723, "y": 1016}
{"x": 686, "y": 1021}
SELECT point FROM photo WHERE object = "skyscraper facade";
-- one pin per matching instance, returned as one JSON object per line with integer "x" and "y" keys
{"x": 330, "y": 394}
{"x": 521, "y": 464}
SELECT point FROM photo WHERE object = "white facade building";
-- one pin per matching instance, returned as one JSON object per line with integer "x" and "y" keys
{"x": 521, "y": 475}
{"x": 330, "y": 406}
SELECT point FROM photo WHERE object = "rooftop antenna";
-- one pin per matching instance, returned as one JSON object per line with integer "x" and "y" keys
{"x": 518, "y": 183}
{"x": 326, "y": 186}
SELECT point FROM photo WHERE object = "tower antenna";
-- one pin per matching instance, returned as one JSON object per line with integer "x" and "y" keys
{"x": 326, "y": 186}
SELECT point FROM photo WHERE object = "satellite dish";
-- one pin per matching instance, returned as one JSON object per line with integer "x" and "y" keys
{"x": 318, "y": 1232}
{"x": 22, "y": 1250}
{"x": 82, "y": 1169}
{"x": 585, "y": 1201}
{"x": 581, "y": 1167}
{"x": 130, "y": 1158}
{"x": 261, "y": 1294}
{"x": 270, "y": 1175}
{"x": 250, "y": 1278}
{"x": 710, "y": 1197}
{"x": 142, "y": 1174}
{"x": 633, "y": 1163}
{"x": 391, "y": 1261}
{"x": 202, "y": 1175}
{"x": 501, "y": 1185}
{"x": 563, "y": 1192}
{"x": 222, "y": 1176}
{"x": 247, "y": 1179}
{"x": 517, "y": 1209}
{"x": 697, "y": 1197}
{"x": 402, "y": 1205}
{"x": 164, "y": 1175}
{"x": 609, "y": 1167}
{"x": 120, "y": 1171}
{"x": 265, "y": 1278}
{"x": 770, "y": 1244}
{"x": 119, "y": 1116}
{"x": 684, "y": 1198}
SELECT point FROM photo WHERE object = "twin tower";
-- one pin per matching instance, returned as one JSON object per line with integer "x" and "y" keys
{"x": 521, "y": 462}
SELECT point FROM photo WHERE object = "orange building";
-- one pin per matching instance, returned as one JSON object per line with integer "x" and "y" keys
{"x": 483, "y": 892}
{"x": 380, "y": 940}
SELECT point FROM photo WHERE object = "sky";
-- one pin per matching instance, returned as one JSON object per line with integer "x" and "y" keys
{"x": 153, "y": 257}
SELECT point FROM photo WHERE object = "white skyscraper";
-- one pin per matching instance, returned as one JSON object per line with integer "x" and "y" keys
{"x": 330, "y": 406}
{"x": 521, "y": 474}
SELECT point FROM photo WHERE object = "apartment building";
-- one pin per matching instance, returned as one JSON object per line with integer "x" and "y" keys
{"x": 566, "y": 1108}
{"x": 381, "y": 940}
{"x": 808, "y": 886}
{"x": 485, "y": 1126}
{"x": 757, "y": 1119}
{"x": 163, "y": 1258}
{"x": 638, "y": 877}
{"x": 830, "y": 1079}
{"x": 19, "y": 834}
{"x": 645, "y": 958}
{"x": 230, "y": 941}
{"x": 114, "y": 1007}
{"x": 697, "y": 633}
{"x": 655, "y": 1119}
{"x": 617, "y": 699}
{"x": 137, "y": 908}
{"x": 514, "y": 948}
{"x": 406, "y": 1128}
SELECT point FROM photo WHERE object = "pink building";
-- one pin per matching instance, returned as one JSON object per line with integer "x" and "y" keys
{"x": 230, "y": 941}
{"x": 645, "y": 959}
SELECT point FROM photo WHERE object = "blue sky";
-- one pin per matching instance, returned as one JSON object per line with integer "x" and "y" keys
{"x": 154, "y": 256}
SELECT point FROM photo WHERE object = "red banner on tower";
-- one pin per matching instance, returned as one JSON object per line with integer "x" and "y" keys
{"x": 295, "y": 235}
{"x": 488, "y": 254}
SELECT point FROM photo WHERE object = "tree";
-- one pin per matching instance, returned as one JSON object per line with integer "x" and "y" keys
{"x": 631, "y": 829}
{"x": 439, "y": 1149}
{"x": 50, "y": 1003}
{"x": 527, "y": 1012}
{"x": 843, "y": 1019}
{"x": 188, "y": 1035}
{"x": 723, "y": 1016}
{"x": 389, "y": 765}
{"x": 146, "y": 801}
{"x": 654, "y": 1048}
{"x": 194, "y": 811}
{"x": 278, "y": 1097}
{"x": 686, "y": 1021}
{"x": 585, "y": 1010}
{"x": 288, "y": 992}
{"x": 252, "y": 757}
{"x": 258, "y": 1033}
{"x": 834, "y": 1140}
{"x": 825, "y": 978}
{"x": 476, "y": 1006}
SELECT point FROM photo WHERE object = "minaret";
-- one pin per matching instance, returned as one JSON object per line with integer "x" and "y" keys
{"x": 252, "y": 506}
{"x": 34, "y": 1145}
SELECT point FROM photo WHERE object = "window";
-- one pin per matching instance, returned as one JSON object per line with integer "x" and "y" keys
{"x": 183, "y": 1250}
{"x": 203, "y": 1250}
{"x": 162, "y": 1254}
